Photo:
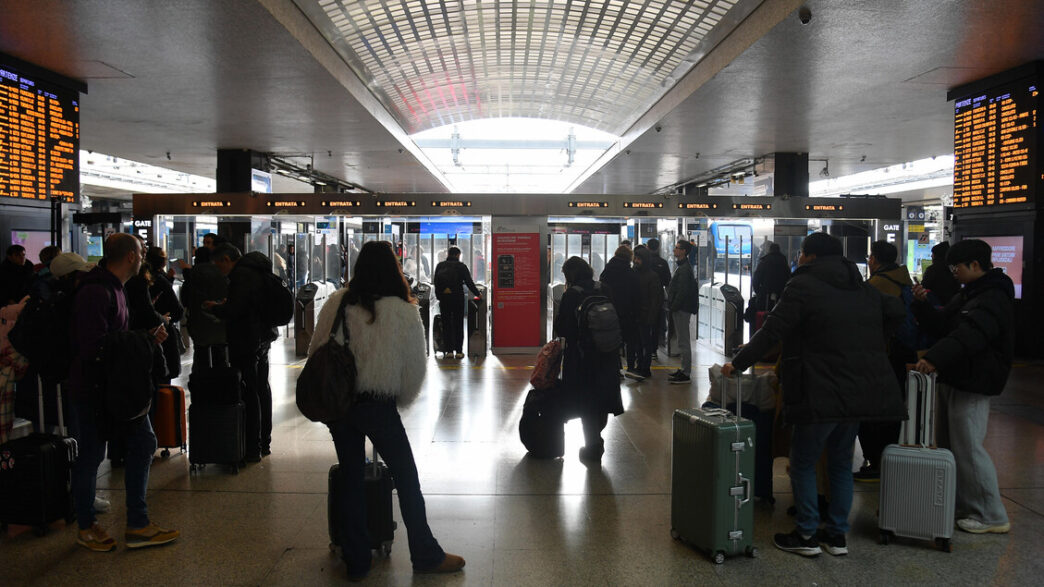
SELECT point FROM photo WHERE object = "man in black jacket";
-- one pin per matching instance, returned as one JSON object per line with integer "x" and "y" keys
{"x": 623, "y": 283}
{"x": 663, "y": 271}
{"x": 770, "y": 277}
{"x": 16, "y": 274}
{"x": 450, "y": 278}
{"x": 973, "y": 360}
{"x": 249, "y": 339}
{"x": 835, "y": 373}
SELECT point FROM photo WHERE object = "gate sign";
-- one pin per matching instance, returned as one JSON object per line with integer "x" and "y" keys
{"x": 143, "y": 228}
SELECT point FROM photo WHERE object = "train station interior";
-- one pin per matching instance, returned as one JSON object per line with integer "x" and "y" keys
{"x": 524, "y": 134}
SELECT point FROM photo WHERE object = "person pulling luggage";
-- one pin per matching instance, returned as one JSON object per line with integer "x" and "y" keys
{"x": 387, "y": 338}
{"x": 450, "y": 278}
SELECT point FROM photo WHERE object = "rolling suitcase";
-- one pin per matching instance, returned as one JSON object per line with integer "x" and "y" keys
{"x": 169, "y": 421}
{"x": 438, "y": 340}
{"x": 918, "y": 481}
{"x": 216, "y": 434}
{"x": 712, "y": 473}
{"x": 542, "y": 427}
{"x": 380, "y": 524}
{"x": 36, "y": 476}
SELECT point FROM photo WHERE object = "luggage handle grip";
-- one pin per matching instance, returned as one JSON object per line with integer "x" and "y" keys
{"x": 746, "y": 492}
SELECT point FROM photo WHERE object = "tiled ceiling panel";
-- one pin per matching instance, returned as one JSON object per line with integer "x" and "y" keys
{"x": 598, "y": 63}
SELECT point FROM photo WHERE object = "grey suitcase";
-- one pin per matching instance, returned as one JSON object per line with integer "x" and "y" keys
{"x": 918, "y": 480}
{"x": 712, "y": 475}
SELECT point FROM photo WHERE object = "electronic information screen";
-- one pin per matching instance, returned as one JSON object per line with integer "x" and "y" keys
{"x": 995, "y": 142}
{"x": 39, "y": 138}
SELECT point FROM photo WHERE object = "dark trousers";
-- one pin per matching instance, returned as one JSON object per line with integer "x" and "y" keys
{"x": 379, "y": 420}
{"x": 874, "y": 437}
{"x": 632, "y": 345}
{"x": 140, "y": 443}
{"x": 646, "y": 346}
{"x": 452, "y": 308}
{"x": 593, "y": 425}
{"x": 252, "y": 363}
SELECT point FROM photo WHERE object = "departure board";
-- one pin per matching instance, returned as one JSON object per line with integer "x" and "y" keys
{"x": 39, "y": 137}
{"x": 995, "y": 141}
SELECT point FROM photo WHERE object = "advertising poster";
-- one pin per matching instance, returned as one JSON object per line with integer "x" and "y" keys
{"x": 516, "y": 290}
{"x": 1007, "y": 254}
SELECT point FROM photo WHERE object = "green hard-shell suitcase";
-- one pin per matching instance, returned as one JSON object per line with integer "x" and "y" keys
{"x": 712, "y": 480}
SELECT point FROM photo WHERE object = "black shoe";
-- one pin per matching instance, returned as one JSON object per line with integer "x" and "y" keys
{"x": 678, "y": 378}
{"x": 591, "y": 454}
{"x": 646, "y": 373}
{"x": 867, "y": 475}
{"x": 832, "y": 543}
{"x": 635, "y": 374}
{"x": 797, "y": 544}
{"x": 266, "y": 452}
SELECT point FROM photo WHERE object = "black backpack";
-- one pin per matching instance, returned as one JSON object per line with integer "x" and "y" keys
{"x": 278, "y": 301}
{"x": 598, "y": 323}
{"x": 445, "y": 273}
{"x": 41, "y": 335}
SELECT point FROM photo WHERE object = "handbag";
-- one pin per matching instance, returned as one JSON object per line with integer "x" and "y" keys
{"x": 548, "y": 365}
{"x": 326, "y": 385}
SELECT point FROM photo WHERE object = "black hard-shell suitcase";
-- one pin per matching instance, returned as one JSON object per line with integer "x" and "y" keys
{"x": 438, "y": 338}
{"x": 216, "y": 434}
{"x": 35, "y": 476}
{"x": 542, "y": 427}
{"x": 380, "y": 524}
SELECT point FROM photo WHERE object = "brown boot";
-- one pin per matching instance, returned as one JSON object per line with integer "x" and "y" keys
{"x": 451, "y": 564}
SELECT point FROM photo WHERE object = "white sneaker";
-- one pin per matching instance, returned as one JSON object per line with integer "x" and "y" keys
{"x": 101, "y": 506}
{"x": 977, "y": 527}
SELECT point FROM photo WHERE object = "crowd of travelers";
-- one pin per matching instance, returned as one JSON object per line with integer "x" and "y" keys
{"x": 845, "y": 345}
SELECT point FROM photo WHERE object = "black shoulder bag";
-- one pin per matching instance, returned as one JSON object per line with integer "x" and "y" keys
{"x": 326, "y": 386}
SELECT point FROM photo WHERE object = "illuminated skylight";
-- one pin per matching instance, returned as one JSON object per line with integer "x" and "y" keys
{"x": 916, "y": 175}
{"x": 512, "y": 155}
{"x": 123, "y": 174}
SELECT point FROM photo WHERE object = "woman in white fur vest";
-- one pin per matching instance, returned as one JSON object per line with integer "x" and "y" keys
{"x": 387, "y": 339}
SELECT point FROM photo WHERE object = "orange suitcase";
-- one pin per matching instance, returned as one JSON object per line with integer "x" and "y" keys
{"x": 169, "y": 421}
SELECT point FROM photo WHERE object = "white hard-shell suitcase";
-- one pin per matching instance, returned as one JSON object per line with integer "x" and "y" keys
{"x": 918, "y": 480}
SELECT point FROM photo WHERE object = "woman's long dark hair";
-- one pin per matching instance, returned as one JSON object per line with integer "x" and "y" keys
{"x": 377, "y": 274}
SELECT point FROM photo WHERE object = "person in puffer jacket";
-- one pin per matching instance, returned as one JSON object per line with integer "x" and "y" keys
{"x": 973, "y": 360}
{"x": 387, "y": 338}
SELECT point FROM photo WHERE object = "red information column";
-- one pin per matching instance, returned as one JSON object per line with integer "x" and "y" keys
{"x": 516, "y": 290}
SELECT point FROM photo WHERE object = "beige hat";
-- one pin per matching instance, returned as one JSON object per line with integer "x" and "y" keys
{"x": 66, "y": 263}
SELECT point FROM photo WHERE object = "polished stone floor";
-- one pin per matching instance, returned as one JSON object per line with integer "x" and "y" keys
{"x": 517, "y": 520}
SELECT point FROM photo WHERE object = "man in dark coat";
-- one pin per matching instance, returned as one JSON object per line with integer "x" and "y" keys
{"x": 16, "y": 274}
{"x": 623, "y": 283}
{"x": 835, "y": 373}
{"x": 592, "y": 378}
{"x": 204, "y": 282}
{"x": 649, "y": 306}
{"x": 683, "y": 302}
{"x": 663, "y": 271}
{"x": 770, "y": 277}
{"x": 249, "y": 339}
{"x": 938, "y": 278}
{"x": 973, "y": 359}
{"x": 450, "y": 278}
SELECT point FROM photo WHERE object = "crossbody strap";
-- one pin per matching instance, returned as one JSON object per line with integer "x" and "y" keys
{"x": 340, "y": 319}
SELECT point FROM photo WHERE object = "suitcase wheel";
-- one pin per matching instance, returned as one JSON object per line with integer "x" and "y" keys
{"x": 752, "y": 551}
{"x": 944, "y": 544}
{"x": 165, "y": 453}
{"x": 719, "y": 557}
{"x": 675, "y": 534}
{"x": 886, "y": 537}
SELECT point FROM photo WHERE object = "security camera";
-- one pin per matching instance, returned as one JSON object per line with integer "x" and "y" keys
{"x": 804, "y": 15}
{"x": 658, "y": 128}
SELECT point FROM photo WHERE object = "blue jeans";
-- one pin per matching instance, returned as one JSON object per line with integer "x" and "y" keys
{"x": 141, "y": 445}
{"x": 379, "y": 420}
{"x": 809, "y": 440}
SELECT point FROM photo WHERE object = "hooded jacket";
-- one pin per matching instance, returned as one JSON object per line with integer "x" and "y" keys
{"x": 389, "y": 353}
{"x": 623, "y": 283}
{"x": 770, "y": 277}
{"x": 244, "y": 310}
{"x": 978, "y": 334}
{"x": 891, "y": 279}
{"x": 833, "y": 328}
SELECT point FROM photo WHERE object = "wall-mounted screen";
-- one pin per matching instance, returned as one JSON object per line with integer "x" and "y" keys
{"x": 39, "y": 137}
{"x": 1007, "y": 254}
{"x": 33, "y": 240}
{"x": 996, "y": 136}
